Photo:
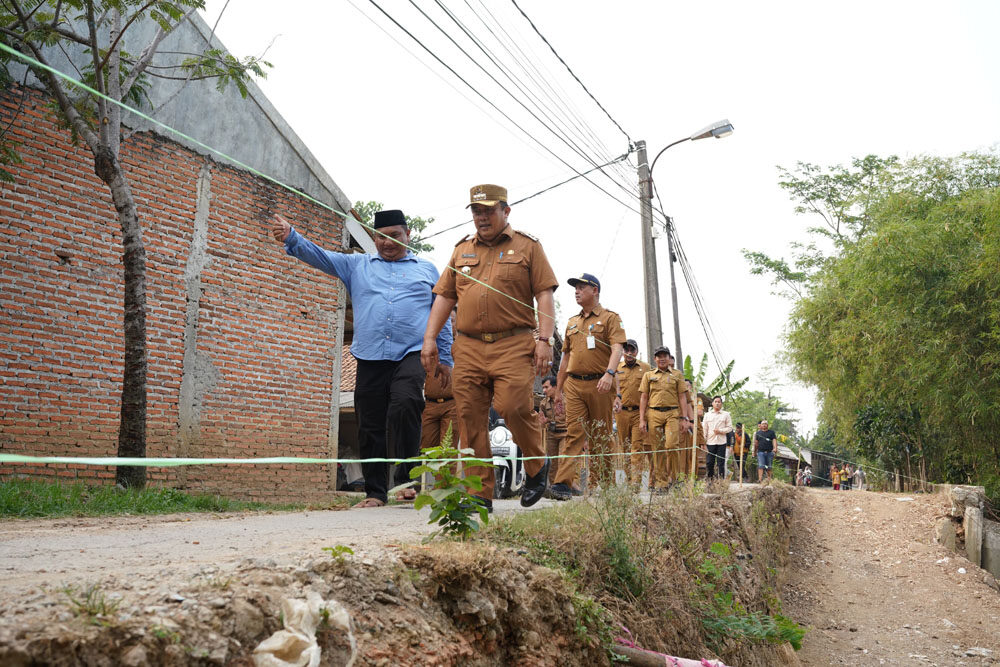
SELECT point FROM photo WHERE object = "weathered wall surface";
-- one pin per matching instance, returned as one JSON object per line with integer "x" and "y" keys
{"x": 242, "y": 338}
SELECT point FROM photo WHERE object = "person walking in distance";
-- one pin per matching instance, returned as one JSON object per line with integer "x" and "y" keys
{"x": 591, "y": 351}
{"x": 439, "y": 415}
{"x": 632, "y": 442}
{"x": 764, "y": 445}
{"x": 741, "y": 446}
{"x": 494, "y": 276}
{"x": 663, "y": 401}
{"x": 716, "y": 425}
{"x": 391, "y": 293}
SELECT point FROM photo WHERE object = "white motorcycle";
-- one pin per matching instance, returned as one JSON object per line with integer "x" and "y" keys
{"x": 507, "y": 465}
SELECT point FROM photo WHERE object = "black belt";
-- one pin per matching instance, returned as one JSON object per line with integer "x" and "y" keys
{"x": 592, "y": 376}
{"x": 630, "y": 407}
{"x": 667, "y": 409}
{"x": 497, "y": 335}
{"x": 442, "y": 400}
{"x": 557, "y": 430}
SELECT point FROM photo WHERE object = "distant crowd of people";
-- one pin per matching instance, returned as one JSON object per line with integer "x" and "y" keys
{"x": 847, "y": 477}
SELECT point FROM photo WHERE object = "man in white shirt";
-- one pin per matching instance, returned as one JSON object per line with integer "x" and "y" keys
{"x": 717, "y": 423}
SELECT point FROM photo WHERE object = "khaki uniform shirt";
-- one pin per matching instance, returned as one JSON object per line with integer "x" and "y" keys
{"x": 629, "y": 379}
{"x": 433, "y": 389}
{"x": 514, "y": 264}
{"x": 606, "y": 328}
{"x": 663, "y": 387}
{"x": 554, "y": 423}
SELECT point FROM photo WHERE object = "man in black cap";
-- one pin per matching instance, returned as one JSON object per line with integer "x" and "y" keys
{"x": 391, "y": 293}
{"x": 662, "y": 400}
{"x": 632, "y": 442}
{"x": 591, "y": 351}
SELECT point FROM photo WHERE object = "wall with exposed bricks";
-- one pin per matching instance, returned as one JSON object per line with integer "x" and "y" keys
{"x": 241, "y": 337}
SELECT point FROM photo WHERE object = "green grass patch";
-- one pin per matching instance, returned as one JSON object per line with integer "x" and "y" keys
{"x": 23, "y": 498}
{"x": 545, "y": 533}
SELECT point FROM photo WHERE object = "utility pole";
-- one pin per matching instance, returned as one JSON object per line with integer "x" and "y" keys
{"x": 654, "y": 330}
{"x": 673, "y": 295}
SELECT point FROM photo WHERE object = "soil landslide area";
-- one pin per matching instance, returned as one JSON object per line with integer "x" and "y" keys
{"x": 867, "y": 576}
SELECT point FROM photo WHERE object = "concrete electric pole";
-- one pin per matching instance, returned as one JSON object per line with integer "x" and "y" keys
{"x": 654, "y": 328}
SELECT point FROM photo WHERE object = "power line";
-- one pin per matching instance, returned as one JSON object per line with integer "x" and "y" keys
{"x": 498, "y": 109}
{"x": 569, "y": 143}
{"x": 524, "y": 199}
{"x": 535, "y": 28}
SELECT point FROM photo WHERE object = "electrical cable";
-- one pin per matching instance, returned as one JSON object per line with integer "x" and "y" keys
{"x": 535, "y": 28}
{"x": 531, "y": 196}
{"x": 572, "y": 145}
{"x": 511, "y": 120}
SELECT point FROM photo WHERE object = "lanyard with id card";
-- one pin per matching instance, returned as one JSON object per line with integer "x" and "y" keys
{"x": 591, "y": 341}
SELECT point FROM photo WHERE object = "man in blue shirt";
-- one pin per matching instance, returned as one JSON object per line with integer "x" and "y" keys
{"x": 391, "y": 294}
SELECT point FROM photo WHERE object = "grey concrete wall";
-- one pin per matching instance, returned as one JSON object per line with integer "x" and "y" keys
{"x": 991, "y": 547}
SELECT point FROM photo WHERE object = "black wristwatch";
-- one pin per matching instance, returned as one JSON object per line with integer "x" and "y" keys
{"x": 610, "y": 372}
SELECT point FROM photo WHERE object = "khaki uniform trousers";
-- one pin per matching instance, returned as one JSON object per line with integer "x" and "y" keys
{"x": 588, "y": 418}
{"x": 634, "y": 445}
{"x": 503, "y": 372}
{"x": 553, "y": 443}
{"x": 663, "y": 427}
{"x": 435, "y": 422}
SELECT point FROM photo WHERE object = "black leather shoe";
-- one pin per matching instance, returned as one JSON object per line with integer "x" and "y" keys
{"x": 561, "y": 492}
{"x": 485, "y": 502}
{"x": 534, "y": 486}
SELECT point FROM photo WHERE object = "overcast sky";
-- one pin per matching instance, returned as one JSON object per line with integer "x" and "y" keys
{"x": 817, "y": 82}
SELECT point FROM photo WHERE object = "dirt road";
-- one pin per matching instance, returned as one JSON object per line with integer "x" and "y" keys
{"x": 867, "y": 575}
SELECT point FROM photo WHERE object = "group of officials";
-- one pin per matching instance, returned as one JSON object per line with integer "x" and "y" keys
{"x": 415, "y": 365}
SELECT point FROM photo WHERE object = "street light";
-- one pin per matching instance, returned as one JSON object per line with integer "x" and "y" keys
{"x": 719, "y": 130}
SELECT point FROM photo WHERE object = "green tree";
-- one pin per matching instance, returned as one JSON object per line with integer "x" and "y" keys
{"x": 366, "y": 211}
{"x": 91, "y": 33}
{"x": 899, "y": 329}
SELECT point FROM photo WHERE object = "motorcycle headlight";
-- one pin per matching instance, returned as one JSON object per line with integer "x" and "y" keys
{"x": 498, "y": 436}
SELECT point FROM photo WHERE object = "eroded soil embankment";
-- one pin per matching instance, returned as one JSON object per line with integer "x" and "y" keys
{"x": 483, "y": 603}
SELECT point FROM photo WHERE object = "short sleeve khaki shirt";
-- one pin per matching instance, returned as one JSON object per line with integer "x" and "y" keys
{"x": 629, "y": 379}
{"x": 663, "y": 387}
{"x": 606, "y": 328}
{"x": 513, "y": 265}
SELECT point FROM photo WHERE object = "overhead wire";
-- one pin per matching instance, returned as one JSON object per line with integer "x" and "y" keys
{"x": 530, "y": 67}
{"x": 570, "y": 70}
{"x": 492, "y": 104}
{"x": 569, "y": 143}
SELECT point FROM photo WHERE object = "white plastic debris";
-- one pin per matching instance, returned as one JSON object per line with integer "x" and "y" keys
{"x": 296, "y": 646}
{"x": 961, "y": 570}
{"x": 907, "y": 499}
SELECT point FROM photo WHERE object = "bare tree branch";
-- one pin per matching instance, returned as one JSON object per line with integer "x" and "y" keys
{"x": 147, "y": 53}
{"x": 114, "y": 44}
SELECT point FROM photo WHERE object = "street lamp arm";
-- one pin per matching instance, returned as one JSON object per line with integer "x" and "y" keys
{"x": 679, "y": 141}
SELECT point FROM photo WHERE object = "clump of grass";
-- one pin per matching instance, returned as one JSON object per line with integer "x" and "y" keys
{"x": 33, "y": 498}
{"x": 90, "y": 602}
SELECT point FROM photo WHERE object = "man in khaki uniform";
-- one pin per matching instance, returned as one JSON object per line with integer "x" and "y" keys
{"x": 494, "y": 276}
{"x": 553, "y": 420}
{"x": 662, "y": 399}
{"x": 591, "y": 351}
{"x": 632, "y": 442}
{"x": 439, "y": 414}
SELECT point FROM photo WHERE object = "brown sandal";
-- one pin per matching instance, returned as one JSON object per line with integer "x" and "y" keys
{"x": 406, "y": 495}
{"x": 369, "y": 502}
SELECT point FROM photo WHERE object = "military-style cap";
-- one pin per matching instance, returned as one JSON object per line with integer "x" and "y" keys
{"x": 663, "y": 349}
{"x": 632, "y": 344}
{"x": 487, "y": 195}
{"x": 389, "y": 218}
{"x": 586, "y": 279}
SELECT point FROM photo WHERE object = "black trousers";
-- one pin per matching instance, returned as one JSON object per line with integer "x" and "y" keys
{"x": 389, "y": 401}
{"x": 716, "y": 459}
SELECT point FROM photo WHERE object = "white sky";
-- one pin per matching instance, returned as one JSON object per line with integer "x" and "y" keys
{"x": 818, "y": 82}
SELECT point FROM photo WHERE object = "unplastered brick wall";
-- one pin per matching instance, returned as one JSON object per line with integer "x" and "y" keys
{"x": 241, "y": 337}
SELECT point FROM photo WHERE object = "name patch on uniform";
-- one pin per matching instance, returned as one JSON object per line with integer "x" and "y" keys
{"x": 468, "y": 254}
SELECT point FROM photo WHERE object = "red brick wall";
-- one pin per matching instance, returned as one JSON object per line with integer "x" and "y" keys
{"x": 266, "y": 321}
